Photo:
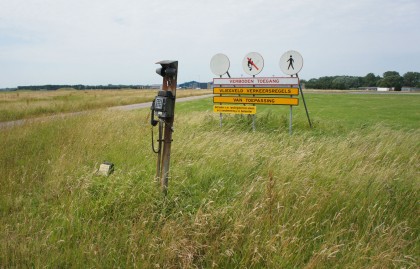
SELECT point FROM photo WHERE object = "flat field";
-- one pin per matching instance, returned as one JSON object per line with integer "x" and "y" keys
{"x": 344, "y": 194}
{"x": 29, "y": 104}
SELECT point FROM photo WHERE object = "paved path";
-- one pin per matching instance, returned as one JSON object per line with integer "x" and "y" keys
{"x": 149, "y": 104}
{"x": 7, "y": 124}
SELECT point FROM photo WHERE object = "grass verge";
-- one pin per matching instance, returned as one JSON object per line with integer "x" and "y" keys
{"x": 344, "y": 194}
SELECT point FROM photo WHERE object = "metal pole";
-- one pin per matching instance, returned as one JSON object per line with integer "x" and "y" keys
{"x": 159, "y": 154}
{"x": 221, "y": 115}
{"x": 166, "y": 155}
{"x": 291, "y": 115}
{"x": 291, "y": 119}
{"x": 253, "y": 116}
{"x": 304, "y": 103}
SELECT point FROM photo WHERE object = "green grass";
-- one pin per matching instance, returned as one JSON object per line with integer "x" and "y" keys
{"x": 397, "y": 111}
{"x": 401, "y": 111}
{"x": 344, "y": 194}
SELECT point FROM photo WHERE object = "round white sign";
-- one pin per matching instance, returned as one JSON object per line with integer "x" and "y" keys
{"x": 253, "y": 63}
{"x": 219, "y": 64}
{"x": 291, "y": 62}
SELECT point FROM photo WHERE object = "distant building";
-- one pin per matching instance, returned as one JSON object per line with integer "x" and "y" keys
{"x": 380, "y": 89}
{"x": 410, "y": 89}
{"x": 155, "y": 86}
{"x": 368, "y": 88}
{"x": 194, "y": 85}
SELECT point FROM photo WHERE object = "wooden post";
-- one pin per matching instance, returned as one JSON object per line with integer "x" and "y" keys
{"x": 169, "y": 84}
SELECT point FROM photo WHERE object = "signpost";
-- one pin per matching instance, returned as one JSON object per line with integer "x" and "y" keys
{"x": 291, "y": 62}
{"x": 256, "y": 90}
{"x": 257, "y": 81}
{"x": 235, "y": 109}
{"x": 219, "y": 64}
{"x": 253, "y": 63}
{"x": 265, "y": 91}
{"x": 256, "y": 100}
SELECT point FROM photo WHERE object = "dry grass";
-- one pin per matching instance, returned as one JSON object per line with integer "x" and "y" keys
{"x": 28, "y": 104}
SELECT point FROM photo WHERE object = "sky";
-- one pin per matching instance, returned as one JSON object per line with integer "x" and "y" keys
{"x": 101, "y": 42}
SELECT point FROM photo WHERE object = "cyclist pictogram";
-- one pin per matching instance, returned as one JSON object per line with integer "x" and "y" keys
{"x": 253, "y": 63}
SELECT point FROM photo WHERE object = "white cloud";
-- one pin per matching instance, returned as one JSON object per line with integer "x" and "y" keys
{"x": 90, "y": 42}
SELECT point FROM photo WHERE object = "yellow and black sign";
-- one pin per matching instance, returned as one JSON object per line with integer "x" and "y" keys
{"x": 267, "y": 91}
{"x": 256, "y": 100}
{"x": 235, "y": 109}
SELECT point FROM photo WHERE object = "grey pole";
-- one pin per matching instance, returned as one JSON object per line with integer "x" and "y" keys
{"x": 291, "y": 118}
{"x": 304, "y": 103}
{"x": 221, "y": 114}
{"x": 159, "y": 154}
{"x": 253, "y": 116}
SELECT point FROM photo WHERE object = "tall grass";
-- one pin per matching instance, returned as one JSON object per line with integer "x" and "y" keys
{"x": 330, "y": 197}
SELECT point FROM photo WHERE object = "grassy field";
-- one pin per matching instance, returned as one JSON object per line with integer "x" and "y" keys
{"x": 29, "y": 104}
{"x": 342, "y": 195}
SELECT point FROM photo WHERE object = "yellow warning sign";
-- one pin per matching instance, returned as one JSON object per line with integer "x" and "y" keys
{"x": 256, "y": 100}
{"x": 235, "y": 109}
{"x": 267, "y": 91}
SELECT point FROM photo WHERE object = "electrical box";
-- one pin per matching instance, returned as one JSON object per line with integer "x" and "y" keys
{"x": 164, "y": 104}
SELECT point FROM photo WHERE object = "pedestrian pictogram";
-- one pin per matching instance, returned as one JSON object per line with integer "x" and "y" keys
{"x": 253, "y": 63}
{"x": 291, "y": 62}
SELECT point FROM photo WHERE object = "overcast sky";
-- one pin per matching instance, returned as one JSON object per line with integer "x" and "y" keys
{"x": 118, "y": 42}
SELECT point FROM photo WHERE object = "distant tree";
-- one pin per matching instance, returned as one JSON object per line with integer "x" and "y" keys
{"x": 370, "y": 80}
{"x": 312, "y": 84}
{"x": 391, "y": 79}
{"x": 325, "y": 82}
{"x": 411, "y": 79}
{"x": 346, "y": 82}
{"x": 336, "y": 82}
{"x": 339, "y": 83}
{"x": 353, "y": 82}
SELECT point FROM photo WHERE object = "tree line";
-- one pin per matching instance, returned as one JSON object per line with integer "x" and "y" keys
{"x": 81, "y": 87}
{"x": 390, "y": 79}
